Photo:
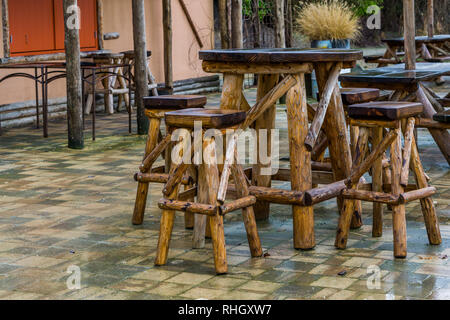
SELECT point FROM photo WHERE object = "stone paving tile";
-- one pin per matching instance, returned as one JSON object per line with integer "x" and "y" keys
{"x": 61, "y": 208}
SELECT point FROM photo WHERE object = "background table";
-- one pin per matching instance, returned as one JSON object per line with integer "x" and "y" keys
{"x": 407, "y": 85}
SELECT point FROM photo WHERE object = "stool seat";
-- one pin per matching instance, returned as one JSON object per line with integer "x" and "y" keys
{"x": 359, "y": 95}
{"x": 217, "y": 119}
{"x": 174, "y": 102}
{"x": 385, "y": 110}
{"x": 130, "y": 54}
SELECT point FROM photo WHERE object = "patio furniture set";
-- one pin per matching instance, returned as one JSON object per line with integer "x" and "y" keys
{"x": 110, "y": 74}
{"x": 206, "y": 191}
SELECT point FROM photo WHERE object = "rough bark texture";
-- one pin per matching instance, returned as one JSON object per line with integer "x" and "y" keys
{"x": 167, "y": 24}
{"x": 236, "y": 24}
{"x": 140, "y": 67}
{"x": 74, "y": 82}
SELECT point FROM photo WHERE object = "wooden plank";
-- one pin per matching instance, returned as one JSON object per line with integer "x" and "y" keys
{"x": 280, "y": 55}
{"x": 191, "y": 23}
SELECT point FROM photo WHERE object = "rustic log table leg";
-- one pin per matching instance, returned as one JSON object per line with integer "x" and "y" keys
{"x": 398, "y": 211}
{"x": 266, "y": 121}
{"x": 428, "y": 209}
{"x": 142, "y": 190}
{"x": 301, "y": 174}
{"x": 335, "y": 129}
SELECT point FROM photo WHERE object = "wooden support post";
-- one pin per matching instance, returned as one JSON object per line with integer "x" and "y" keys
{"x": 140, "y": 64}
{"x": 142, "y": 190}
{"x": 74, "y": 82}
{"x": 280, "y": 33}
{"x": 256, "y": 23}
{"x": 300, "y": 159}
{"x": 189, "y": 218}
{"x": 430, "y": 18}
{"x": 398, "y": 211}
{"x": 167, "y": 30}
{"x": 191, "y": 23}
{"x": 232, "y": 91}
{"x": 5, "y": 29}
{"x": 265, "y": 122}
{"x": 289, "y": 24}
{"x": 409, "y": 25}
{"x": 236, "y": 24}
{"x": 377, "y": 184}
{"x": 223, "y": 20}
{"x": 428, "y": 208}
{"x": 100, "y": 28}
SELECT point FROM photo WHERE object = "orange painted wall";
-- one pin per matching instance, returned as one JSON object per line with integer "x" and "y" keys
{"x": 118, "y": 18}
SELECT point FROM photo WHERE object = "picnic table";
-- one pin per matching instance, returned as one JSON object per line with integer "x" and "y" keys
{"x": 434, "y": 49}
{"x": 408, "y": 86}
{"x": 283, "y": 71}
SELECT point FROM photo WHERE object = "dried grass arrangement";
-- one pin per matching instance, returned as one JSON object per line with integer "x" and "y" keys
{"x": 328, "y": 20}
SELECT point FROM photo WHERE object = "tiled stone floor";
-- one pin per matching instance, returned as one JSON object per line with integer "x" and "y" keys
{"x": 62, "y": 208}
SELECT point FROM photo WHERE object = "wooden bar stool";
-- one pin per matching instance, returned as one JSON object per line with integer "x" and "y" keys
{"x": 397, "y": 117}
{"x": 156, "y": 107}
{"x": 207, "y": 186}
{"x": 129, "y": 58}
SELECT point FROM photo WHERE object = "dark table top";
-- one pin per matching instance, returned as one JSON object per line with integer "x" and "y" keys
{"x": 278, "y": 55}
{"x": 398, "y": 74}
{"x": 419, "y": 39}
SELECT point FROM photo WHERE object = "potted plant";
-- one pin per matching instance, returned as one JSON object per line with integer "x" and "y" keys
{"x": 328, "y": 24}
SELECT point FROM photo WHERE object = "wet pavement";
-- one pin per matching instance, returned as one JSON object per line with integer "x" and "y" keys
{"x": 66, "y": 210}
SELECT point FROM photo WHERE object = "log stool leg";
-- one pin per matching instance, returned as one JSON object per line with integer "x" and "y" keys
{"x": 248, "y": 214}
{"x": 428, "y": 209}
{"x": 168, "y": 216}
{"x": 377, "y": 185}
{"x": 398, "y": 211}
{"x": 211, "y": 187}
{"x": 142, "y": 190}
{"x": 356, "y": 222}
{"x": 266, "y": 121}
{"x": 189, "y": 218}
{"x": 301, "y": 175}
{"x": 346, "y": 214}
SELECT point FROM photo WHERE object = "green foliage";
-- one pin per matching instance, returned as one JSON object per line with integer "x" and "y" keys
{"x": 360, "y": 6}
{"x": 265, "y": 8}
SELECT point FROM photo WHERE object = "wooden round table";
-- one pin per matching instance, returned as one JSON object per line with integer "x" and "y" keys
{"x": 283, "y": 71}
